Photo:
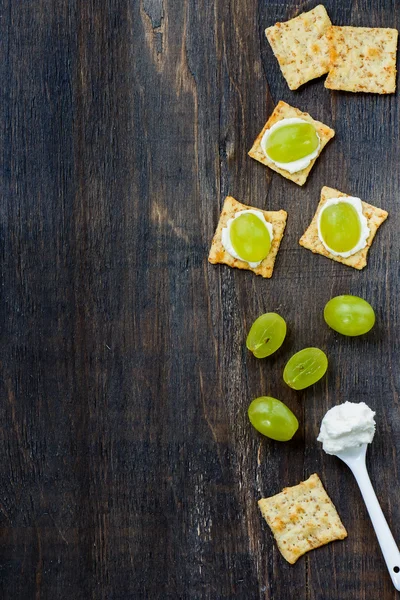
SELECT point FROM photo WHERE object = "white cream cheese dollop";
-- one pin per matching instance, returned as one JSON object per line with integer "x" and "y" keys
{"x": 347, "y": 425}
{"x": 296, "y": 165}
{"x": 226, "y": 236}
{"x": 364, "y": 235}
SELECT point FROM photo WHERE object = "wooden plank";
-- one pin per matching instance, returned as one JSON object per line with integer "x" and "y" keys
{"x": 130, "y": 469}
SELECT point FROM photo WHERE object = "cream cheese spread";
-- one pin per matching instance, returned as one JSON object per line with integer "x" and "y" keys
{"x": 345, "y": 426}
{"x": 364, "y": 235}
{"x": 296, "y": 165}
{"x": 226, "y": 237}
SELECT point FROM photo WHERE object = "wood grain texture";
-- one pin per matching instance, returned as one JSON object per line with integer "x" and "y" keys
{"x": 129, "y": 468}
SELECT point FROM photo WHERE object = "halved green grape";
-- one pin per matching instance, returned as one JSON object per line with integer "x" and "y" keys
{"x": 292, "y": 142}
{"x": 250, "y": 237}
{"x": 340, "y": 227}
{"x": 349, "y": 315}
{"x": 273, "y": 418}
{"x": 305, "y": 368}
{"x": 266, "y": 335}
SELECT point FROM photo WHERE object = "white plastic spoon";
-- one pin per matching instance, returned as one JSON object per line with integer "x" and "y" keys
{"x": 355, "y": 460}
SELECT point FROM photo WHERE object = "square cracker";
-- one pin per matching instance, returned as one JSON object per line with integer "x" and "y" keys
{"x": 302, "y": 518}
{"x": 301, "y": 47}
{"x": 218, "y": 254}
{"x": 362, "y": 59}
{"x": 285, "y": 111}
{"x": 310, "y": 240}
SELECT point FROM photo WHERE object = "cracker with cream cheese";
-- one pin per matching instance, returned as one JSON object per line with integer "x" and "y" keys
{"x": 301, "y": 47}
{"x": 310, "y": 239}
{"x": 218, "y": 254}
{"x": 285, "y": 111}
{"x": 362, "y": 59}
{"x": 302, "y": 518}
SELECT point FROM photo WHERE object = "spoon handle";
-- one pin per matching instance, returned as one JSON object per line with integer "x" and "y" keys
{"x": 386, "y": 541}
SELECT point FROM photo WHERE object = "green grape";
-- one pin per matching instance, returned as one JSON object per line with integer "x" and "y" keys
{"x": 349, "y": 315}
{"x": 273, "y": 418}
{"x": 292, "y": 142}
{"x": 250, "y": 237}
{"x": 340, "y": 227}
{"x": 305, "y": 368}
{"x": 266, "y": 335}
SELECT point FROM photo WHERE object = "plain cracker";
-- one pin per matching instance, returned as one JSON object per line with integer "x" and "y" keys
{"x": 285, "y": 111}
{"x": 218, "y": 254}
{"x": 301, "y": 47}
{"x": 302, "y": 518}
{"x": 362, "y": 59}
{"x": 310, "y": 240}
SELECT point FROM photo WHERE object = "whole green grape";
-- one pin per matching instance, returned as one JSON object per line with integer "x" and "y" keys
{"x": 273, "y": 418}
{"x": 340, "y": 227}
{"x": 292, "y": 142}
{"x": 250, "y": 237}
{"x": 349, "y": 315}
{"x": 305, "y": 368}
{"x": 266, "y": 335}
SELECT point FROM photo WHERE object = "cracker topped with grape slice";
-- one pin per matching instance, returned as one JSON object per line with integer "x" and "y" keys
{"x": 343, "y": 230}
{"x": 290, "y": 142}
{"x": 247, "y": 237}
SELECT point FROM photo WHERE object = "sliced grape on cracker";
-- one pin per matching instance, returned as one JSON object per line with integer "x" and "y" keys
{"x": 219, "y": 254}
{"x": 312, "y": 241}
{"x": 285, "y": 111}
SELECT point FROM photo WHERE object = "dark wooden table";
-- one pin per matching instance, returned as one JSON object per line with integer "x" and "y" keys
{"x": 129, "y": 469}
